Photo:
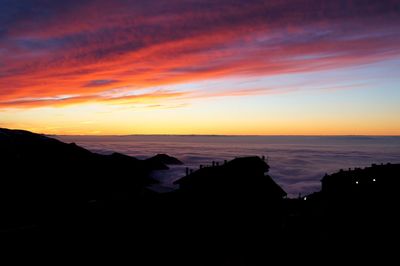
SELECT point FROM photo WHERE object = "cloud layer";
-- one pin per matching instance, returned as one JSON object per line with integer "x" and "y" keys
{"x": 297, "y": 163}
{"x": 69, "y": 52}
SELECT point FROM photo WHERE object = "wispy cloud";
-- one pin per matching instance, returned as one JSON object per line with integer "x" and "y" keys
{"x": 60, "y": 101}
{"x": 88, "y": 48}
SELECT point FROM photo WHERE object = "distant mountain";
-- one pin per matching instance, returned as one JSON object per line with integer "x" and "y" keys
{"x": 163, "y": 159}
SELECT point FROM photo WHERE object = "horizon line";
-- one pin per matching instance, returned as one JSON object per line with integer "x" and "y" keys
{"x": 208, "y": 135}
{"x": 220, "y": 135}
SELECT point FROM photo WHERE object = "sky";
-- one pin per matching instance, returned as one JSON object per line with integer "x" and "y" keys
{"x": 238, "y": 67}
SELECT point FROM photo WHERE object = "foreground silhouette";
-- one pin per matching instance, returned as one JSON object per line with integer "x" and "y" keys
{"x": 225, "y": 214}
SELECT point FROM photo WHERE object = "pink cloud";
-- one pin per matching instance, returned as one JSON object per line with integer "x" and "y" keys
{"x": 93, "y": 47}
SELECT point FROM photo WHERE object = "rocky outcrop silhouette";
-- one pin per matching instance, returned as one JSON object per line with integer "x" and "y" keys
{"x": 377, "y": 181}
{"x": 165, "y": 159}
{"x": 42, "y": 177}
{"x": 355, "y": 209}
{"x": 242, "y": 177}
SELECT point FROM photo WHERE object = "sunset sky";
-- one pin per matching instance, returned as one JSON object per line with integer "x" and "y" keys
{"x": 294, "y": 67}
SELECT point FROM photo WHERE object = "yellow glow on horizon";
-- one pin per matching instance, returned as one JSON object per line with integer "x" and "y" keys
{"x": 111, "y": 120}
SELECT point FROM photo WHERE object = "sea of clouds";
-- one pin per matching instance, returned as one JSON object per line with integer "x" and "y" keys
{"x": 297, "y": 162}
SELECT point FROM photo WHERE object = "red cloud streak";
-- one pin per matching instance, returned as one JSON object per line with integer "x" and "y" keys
{"x": 90, "y": 48}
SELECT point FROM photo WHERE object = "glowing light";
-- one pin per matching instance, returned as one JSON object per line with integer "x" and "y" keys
{"x": 356, "y": 182}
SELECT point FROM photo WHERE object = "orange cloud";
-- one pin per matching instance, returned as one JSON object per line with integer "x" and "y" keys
{"x": 93, "y": 48}
{"x": 72, "y": 100}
